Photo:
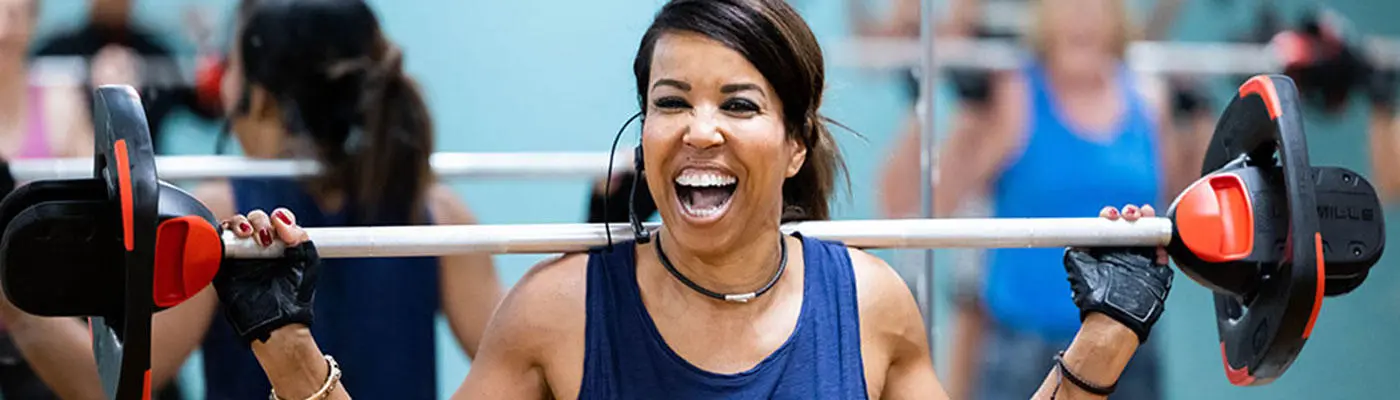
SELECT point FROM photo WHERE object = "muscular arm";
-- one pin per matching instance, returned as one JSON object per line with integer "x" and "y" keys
{"x": 894, "y": 341}
{"x": 469, "y": 286}
{"x": 539, "y": 323}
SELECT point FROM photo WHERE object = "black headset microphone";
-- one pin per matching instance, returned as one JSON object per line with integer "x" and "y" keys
{"x": 639, "y": 232}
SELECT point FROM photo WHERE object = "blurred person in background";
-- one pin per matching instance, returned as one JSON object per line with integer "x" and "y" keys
{"x": 121, "y": 51}
{"x": 341, "y": 97}
{"x": 35, "y": 122}
{"x": 1071, "y": 130}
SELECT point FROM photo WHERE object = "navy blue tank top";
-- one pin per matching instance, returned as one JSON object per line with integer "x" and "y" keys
{"x": 375, "y": 316}
{"x": 625, "y": 356}
{"x": 1061, "y": 174}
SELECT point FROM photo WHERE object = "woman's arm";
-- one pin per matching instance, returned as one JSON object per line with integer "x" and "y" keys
{"x": 981, "y": 144}
{"x": 980, "y": 141}
{"x": 58, "y": 349}
{"x": 894, "y": 340}
{"x": 1385, "y": 153}
{"x": 1180, "y": 149}
{"x": 295, "y": 365}
{"x": 469, "y": 286}
{"x": 541, "y": 319}
{"x": 1098, "y": 355}
{"x": 969, "y": 328}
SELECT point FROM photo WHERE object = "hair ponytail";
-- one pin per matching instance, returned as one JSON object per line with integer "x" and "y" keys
{"x": 382, "y": 164}
{"x": 807, "y": 194}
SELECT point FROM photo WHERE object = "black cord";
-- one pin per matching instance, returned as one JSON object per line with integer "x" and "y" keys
{"x": 1086, "y": 386}
{"x": 737, "y": 298}
{"x": 607, "y": 182}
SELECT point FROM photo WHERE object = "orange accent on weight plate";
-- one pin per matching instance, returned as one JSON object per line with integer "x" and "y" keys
{"x": 124, "y": 186}
{"x": 1238, "y": 377}
{"x": 1321, "y": 286}
{"x": 1215, "y": 219}
{"x": 1264, "y": 87}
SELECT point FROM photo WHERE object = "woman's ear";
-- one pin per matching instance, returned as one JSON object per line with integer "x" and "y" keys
{"x": 798, "y": 157}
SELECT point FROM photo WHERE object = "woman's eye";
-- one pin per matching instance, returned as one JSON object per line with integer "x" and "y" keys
{"x": 740, "y": 106}
{"x": 670, "y": 103}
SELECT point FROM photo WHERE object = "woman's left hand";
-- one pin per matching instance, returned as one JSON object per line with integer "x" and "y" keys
{"x": 1128, "y": 284}
{"x": 261, "y": 295}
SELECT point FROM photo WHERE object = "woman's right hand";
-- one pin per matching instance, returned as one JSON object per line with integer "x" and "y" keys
{"x": 261, "y": 295}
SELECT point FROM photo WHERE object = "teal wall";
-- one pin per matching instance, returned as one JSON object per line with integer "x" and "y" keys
{"x": 531, "y": 75}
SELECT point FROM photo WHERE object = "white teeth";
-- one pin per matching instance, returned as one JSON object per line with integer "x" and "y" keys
{"x": 704, "y": 178}
{"x": 702, "y": 212}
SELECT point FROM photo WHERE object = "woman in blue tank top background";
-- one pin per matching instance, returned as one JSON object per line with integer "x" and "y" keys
{"x": 1071, "y": 131}
{"x": 317, "y": 79}
{"x": 718, "y": 303}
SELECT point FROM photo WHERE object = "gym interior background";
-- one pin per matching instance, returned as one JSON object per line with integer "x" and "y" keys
{"x": 480, "y": 63}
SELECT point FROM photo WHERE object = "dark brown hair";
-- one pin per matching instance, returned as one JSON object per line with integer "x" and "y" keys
{"x": 339, "y": 81}
{"x": 775, "y": 39}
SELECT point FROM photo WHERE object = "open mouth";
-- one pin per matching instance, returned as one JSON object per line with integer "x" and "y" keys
{"x": 705, "y": 193}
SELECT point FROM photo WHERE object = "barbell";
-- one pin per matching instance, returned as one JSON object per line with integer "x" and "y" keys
{"x": 511, "y": 165}
{"x": 1267, "y": 232}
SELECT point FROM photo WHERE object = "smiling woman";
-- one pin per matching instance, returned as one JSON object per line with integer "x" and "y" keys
{"x": 732, "y": 146}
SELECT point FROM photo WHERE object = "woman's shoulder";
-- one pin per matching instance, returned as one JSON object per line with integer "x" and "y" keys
{"x": 447, "y": 208}
{"x": 888, "y": 311}
{"x": 547, "y": 304}
{"x": 877, "y": 283}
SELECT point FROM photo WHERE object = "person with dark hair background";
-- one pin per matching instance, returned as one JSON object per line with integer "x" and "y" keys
{"x": 36, "y": 121}
{"x": 717, "y": 303}
{"x": 317, "y": 79}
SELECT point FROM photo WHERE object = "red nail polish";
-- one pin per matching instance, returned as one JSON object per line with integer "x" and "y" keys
{"x": 244, "y": 227}
{"x": 1112, "y": 213}
{"x": 283, "y": 216}
{"x": 264, "y": 237}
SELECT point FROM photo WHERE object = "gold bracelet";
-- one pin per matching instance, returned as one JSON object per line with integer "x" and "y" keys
{"x": 332, "y": 380}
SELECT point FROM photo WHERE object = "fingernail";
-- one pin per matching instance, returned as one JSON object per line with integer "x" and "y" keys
{"x": 1112, "y": 213}
{"x": 245, "y": 227}
{"x": 283, "y": 216}
{"x": 264, "y": 237}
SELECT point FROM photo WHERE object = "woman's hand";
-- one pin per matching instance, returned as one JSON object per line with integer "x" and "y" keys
{"x": 1127, "y": 284}
{"x": 261, "y": 295}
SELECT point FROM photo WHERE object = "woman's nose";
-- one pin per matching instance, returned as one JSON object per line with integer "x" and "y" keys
{"x": 704, "y": 131}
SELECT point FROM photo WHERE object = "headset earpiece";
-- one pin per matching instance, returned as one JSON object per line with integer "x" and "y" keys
{"x": 639, "y": 231}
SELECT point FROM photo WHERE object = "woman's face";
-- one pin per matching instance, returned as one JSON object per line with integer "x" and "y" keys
{"x": 716, "y": 150}
{"x": 1081, "y": 33}
{"x": 16, "y": 25}
{"x": 258, "y": 129}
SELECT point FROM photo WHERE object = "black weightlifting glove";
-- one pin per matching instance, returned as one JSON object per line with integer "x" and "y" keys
{"x": 260, "y": 296}
{"x": 1124, "y": 283}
